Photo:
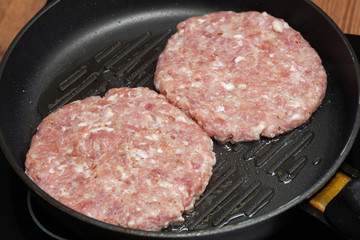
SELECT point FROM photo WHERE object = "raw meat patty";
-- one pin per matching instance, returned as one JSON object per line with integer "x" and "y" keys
{"x": 129, "y": 158}
{"x": 241, "y": 75}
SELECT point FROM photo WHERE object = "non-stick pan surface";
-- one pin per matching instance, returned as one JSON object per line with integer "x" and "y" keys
{"x": 74, "y": 49}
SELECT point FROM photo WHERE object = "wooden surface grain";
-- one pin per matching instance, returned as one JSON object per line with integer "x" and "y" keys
{"x": 14, "y": 14}
{"x": 345, "y": 13}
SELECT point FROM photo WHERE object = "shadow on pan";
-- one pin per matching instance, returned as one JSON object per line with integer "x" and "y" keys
{"x": 75, "y": 49}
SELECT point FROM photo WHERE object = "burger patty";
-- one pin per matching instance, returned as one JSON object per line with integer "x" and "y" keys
{"x": 129, "y": 158}
{"x": 241, "y": 75}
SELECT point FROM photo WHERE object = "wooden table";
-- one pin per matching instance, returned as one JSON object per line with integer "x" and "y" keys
{"x": 14, "y": 14}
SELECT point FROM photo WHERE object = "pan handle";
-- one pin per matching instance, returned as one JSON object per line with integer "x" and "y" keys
{"x": 343, "y": 212}
{"x": 339, "y": 201}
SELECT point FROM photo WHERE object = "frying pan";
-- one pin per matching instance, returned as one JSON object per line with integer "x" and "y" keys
{"x": 74, "y": 49}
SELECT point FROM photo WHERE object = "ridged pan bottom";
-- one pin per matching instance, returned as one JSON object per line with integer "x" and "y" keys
{"x": 239, "y": 188}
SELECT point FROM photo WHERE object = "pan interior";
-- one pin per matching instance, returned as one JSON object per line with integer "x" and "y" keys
{"x": 100, "y": 45}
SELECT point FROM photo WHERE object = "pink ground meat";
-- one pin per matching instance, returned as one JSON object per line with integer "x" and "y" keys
{"x": 241, "y": 75}
{"x": 129, "y": 158}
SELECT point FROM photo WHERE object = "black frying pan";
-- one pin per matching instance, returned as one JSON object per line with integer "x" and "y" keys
{"x": 74, "y": 49}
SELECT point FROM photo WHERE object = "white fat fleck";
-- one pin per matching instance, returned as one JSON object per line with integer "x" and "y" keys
{"x": 179, "y": 151}
{"x": 296, "y": 117}
{"x": 185, "y": 143}
{"x": 148, "y": 182}
{"x": 239, "y": 58}
{"x": 265, "y": 96}
{"x": 238, "y": 36}
{"x": 108, "y": 186}
{"x": 271, "y": 55}
{"x": 139, "y": 153}
{"x": 218, "y": 64}
{"x": 85, "y": 135}
{"x": 108, "y": 113}
{"x": 131, "y": 223}
{"x": 292, "y": 68}
{"x": 79, "y": 168}
{"x": 153, "y": 137}
{"x": 242, "y": 86}
{"x": 196, "y": 84}
{"x": 149, "y": 118}
{"x": 123, "y": 172}
{"x": 165, "y": 184}
{"x": 220, "y": 108}
{"x": 82, "y": 124}
{"x": 159, "y": 120}
{"x": 265, "y": 14}
{"x": 296, "y": 76}
{"x": 277, "y": 25}
{"x": 50, "y": 159}
{"x": 69, "y": 150}
{"x": 61, "y": 168}
{"x": 96, "y": 146}
{"x": 181, "y": 119}
{"x": 294, "y": 104}
{"x": 154, "y": 199}
{"x": 181, "y": 188}
{"x": 259, "y": 128}
{"x": 228, "y": 86}
{"x": 152, "y": 161}
{"x": 112, "y": 98}
{"x": 63, "y": 128}
{"x": 201, "y": 20}
{"x": 64, "y": 192}
{"x": 101, "y": 128}
{"x": 159, "y": 150}
{"x": 51, "y": 170}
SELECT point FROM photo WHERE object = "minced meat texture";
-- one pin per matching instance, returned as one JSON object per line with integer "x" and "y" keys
{"x": 129, "y": 158}
{"x": 241, "y": 75}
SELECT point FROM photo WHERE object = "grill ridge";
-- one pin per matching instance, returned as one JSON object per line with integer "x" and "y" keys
{"x": 273, "y": 148}
{"x": 128, "y": 48}
{"x": 210, "y": 189}
{"x": 216, "y": 203}
{"x": 234, "y": 202}
{"x": 133, "y": 61}
{"x": 121, "y": 64}
{"x": 287, "y": 172}
{"x": 292, "y": 150}
{"x": 73, "y": 92}
{"x": 73, "y": 78}
{"x": 108, "y": 51}
{"x": 131, "y": 78}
